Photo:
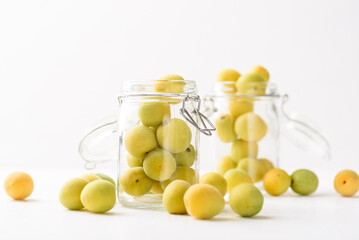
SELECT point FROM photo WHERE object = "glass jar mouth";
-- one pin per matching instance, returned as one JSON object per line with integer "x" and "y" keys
{"x": 229, "y": 89}
{"x": 168, "y": 88}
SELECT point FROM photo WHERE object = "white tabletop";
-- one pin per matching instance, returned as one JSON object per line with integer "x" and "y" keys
{"x": 324, "y": 214}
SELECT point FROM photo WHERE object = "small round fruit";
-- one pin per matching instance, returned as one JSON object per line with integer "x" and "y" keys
{"x": 134, "y": 161}
{"x": 261, "y": 71}
{"x": 173, "y": 197}
{"x": 243, "y": 149}
{"x": 238, "y": 107}
{"x": 107, "y": 178}
{"x": 224, "y": 128}
{"x": 253, "y": 167}
{"x": 251, "y": 84}
{"x": 156, "y": 188}
{"x": 216, "y": 180}
{"x": 159, "y": 165}
{"x": 346, "y": 183}
{"x": 234, "y": 177}
{"x": 91, "y": 177}
{"x": 228, "y": 75}
{"x": 187, "y": 157}
{"x": 135, "y": 182}
{"x": 203, "y": 201}
{"x": 276, "y": 182}
{"x": 250, "y": 127}
{"x": 18, "y": 185}
{"x": 267, "y": 165}
{"x": 170, "y": 84}
{"x": 304, "y": 182}
{"x": 153, "y": 114}
{"x": 175, "y": 136}
{"x": 225, "y": 163}
{"x": 140, "y": 140}
{"x": 70, "y": 193}
{"x": 182, "y": 173}
{"x": 246, "y": 200}
{"x": 98, "y": 196}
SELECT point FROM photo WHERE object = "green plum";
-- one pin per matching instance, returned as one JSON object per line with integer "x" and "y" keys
{"x": 135, "y": 182}
{"x": 159, "y": 165}
{"x": 187, "y": 157}
{"x": 304, "y": 182}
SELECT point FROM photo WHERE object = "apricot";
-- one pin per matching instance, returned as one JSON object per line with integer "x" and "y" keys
{"x": 243, "y": 149}
{"x": 253, "y": 167}
{"x": 250, "y": 127}
{"x": 153, "y": 114}
{"x": 216, "y": 180}
{"x": 238, "y": 107}
{"x": 70, "y": 193}
{"x": 18, "y": 185}
{"x": 346, "y": 183}
{"x": 159, "y": 165}
{"x": 234, "y": 177}
{"x": 276, "y": 182}
{"x": 203, "y": 201}
{"x": 187, "y": 157}
{"x": 135, "y": 182}
{"x": 140, "y": 140}
{"x": 173, "y": 197}
{"x": 98, "y": 196}
{"x": 225, "y": 163}
{"x": 246, "y": 200}
{"x": 175, "y": 136}
{"x": 224, "y": 128}
{"x": 261, "y": 71}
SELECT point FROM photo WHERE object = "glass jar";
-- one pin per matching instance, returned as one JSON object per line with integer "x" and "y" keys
{"x": 155, "y": 139}
{"x": 249, "y": 129}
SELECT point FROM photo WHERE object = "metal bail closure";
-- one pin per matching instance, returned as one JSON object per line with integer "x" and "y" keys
{"x": 192, "y": 110}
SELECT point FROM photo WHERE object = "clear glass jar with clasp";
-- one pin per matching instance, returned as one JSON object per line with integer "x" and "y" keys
{"x": 249, "y": 129}
{"x": 154, "y": 138}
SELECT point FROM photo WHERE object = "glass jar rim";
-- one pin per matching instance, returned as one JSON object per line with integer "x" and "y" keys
{"x": 168, "y": 88}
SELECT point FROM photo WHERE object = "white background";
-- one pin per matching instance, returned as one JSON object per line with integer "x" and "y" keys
{"x": 62, "y": 64}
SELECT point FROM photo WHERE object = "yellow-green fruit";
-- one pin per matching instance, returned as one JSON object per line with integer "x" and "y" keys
{"x": 173, "y": 197}
{"x": 243, "y": 149}
{"x": 175, "y": 136}
{"x": 98, "y": 196}
{"x": 134, "y": 161}
{"x": 18, "y": 185}
{"x": 346, "y": 183}
{"x": 187, "y": 157}
{"x": 225, "y": 163}
{"x": 203, "y": 201}
{"x": 135, "y": 182}
{"x": 91, "y": 177}
{"x": 140, "y": 140}
{"x": 159, "y": 165}
{"x": 70, "y": 193}
{"x": 224, "y": 128}
{"x": 156, "y": 188}
{"x": 267, "y": 165}
{"x": 253, "y": 167}
{"x": 182, "y": 173}
{"x": 304, "y": 182}
{"x": 251, "y": 84}
{"x": 216, "y": 180}
{"x": 105, "y": 177}
{"x": 276, "y": 181}
{"x": 250, "y": 127}
{"x": 153, "y": 114}
{"x": 261, "y": 71}
{"x": 166, "y": 84}
{"x": 238, "y": 107}
{"x": 234, "y": 177}
{"x": 228, "y": 75}
{"x": 246, "y": 200}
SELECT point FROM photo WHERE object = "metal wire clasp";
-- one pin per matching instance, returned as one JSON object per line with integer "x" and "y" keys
{"x": 196, "y": 111}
